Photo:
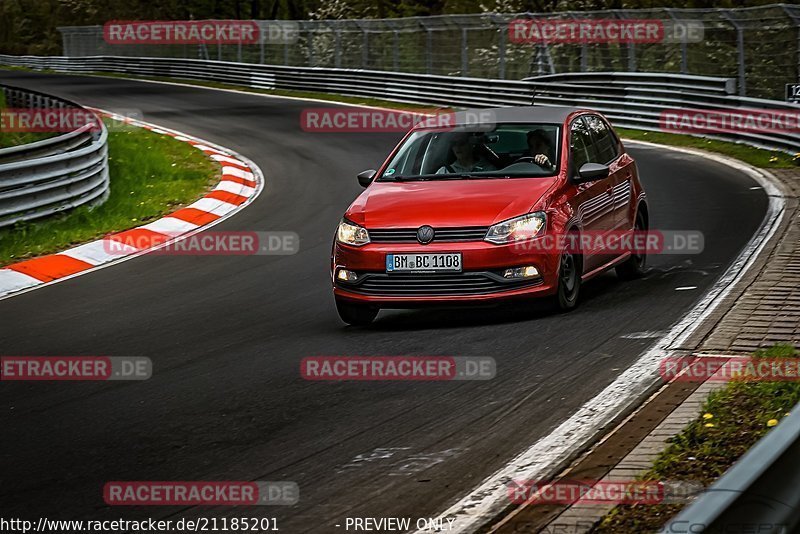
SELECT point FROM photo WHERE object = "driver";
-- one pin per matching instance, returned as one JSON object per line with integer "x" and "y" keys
{"x": 465, "y": 159}
{"x": 541, "y": 149}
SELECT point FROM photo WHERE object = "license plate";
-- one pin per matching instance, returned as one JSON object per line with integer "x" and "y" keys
{"x": 428, "y": 263}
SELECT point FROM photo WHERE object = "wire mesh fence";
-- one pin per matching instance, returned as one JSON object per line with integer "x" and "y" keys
{"x": 759, "y": 47}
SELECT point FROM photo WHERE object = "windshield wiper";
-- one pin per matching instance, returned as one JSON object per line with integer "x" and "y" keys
{"x": 443, "y": 176}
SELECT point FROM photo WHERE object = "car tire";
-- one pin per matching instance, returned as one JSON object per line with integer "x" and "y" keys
{"x": 635, "y": 266}
{"x": 570, "y": 267}
{"x": 356, "y": 314}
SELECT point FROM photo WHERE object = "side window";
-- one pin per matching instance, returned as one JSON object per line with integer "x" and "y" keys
{"x": 580, "y": 143}
{"x": 604, "y": 141}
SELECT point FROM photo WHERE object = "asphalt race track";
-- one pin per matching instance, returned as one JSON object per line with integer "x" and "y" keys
{"x": 226, "y": 336}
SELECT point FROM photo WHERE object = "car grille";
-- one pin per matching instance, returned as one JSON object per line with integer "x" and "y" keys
{"x": 432, "y": 285}
{"x": 409, "y": 235}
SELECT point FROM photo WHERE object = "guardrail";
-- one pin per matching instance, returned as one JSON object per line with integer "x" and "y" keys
{"x": 632, "y": 100}
{"x": 758, "y": 45}
{"x": 758, "y": 494}
{"x": 55, "y": 174}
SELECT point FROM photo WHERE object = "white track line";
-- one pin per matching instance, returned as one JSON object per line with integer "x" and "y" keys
{"x": 550, "y": 454}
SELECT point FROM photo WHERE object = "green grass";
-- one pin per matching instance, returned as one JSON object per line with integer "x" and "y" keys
{"x": 754, "y": 156}
{"x": 733, "y": 419}
{"x": 151, "y": 175}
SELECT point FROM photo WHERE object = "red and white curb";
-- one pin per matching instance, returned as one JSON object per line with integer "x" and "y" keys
{"x": 241, "y": 182}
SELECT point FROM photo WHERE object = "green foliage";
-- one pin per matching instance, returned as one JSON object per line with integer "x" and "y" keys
{"x": 732, "y": 420}
{"x": 30, "y": 26}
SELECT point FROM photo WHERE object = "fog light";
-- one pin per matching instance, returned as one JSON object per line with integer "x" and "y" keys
{"x": 521, "y": 272}
{"x": 346, "y": 276}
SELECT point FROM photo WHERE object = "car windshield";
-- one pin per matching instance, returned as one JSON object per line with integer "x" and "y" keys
{"x": 510, "y": 150}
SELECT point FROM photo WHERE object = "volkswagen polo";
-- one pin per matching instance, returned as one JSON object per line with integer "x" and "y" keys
{"x": 483, "y": 211}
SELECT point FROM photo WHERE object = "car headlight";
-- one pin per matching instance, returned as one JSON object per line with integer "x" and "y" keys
{"x": 517, "y": 229}
{"x": 351, "y": 234}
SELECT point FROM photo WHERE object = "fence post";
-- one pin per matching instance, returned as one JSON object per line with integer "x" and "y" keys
{"x": 501, "y": 52}
{"x": 464, "y": 55}
{"x": 365, "y": 50}
{"x": 261, "y": 47}
{"x": 428, "y": 47}
{"x": 740, "y": 48}
{"x": 337, "y": 46}
{"x": 684, "y": 50}
{"x": 396, "y": 51}
{"x": 310, "y": 47}
{"x": 796, "y": 21}
{"x": 631, "y": 46}
{"x": 584, "y": 48}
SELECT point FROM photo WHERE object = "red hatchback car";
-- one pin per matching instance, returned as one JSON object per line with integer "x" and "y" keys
{"x": 485, "y": 212}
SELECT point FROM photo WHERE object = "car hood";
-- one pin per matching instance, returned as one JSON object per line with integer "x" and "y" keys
{"x": 446, "y": 203}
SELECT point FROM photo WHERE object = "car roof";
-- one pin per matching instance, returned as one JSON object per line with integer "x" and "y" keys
{"x": 517, "y": 114}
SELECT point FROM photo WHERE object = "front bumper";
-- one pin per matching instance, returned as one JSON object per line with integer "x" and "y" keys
{"x": 481, "y": 280}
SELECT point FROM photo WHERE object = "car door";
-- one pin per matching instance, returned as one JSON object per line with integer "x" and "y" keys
{"x": 594, "y": 201}
{"x": 619, "y": 186}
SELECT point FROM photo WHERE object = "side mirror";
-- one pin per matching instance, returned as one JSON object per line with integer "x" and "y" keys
{"x": 365, "y": 177}
{"x": 590, "y": 172}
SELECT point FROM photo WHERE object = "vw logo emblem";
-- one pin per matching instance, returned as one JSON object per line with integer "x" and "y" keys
{"x": 425, "y": 234}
